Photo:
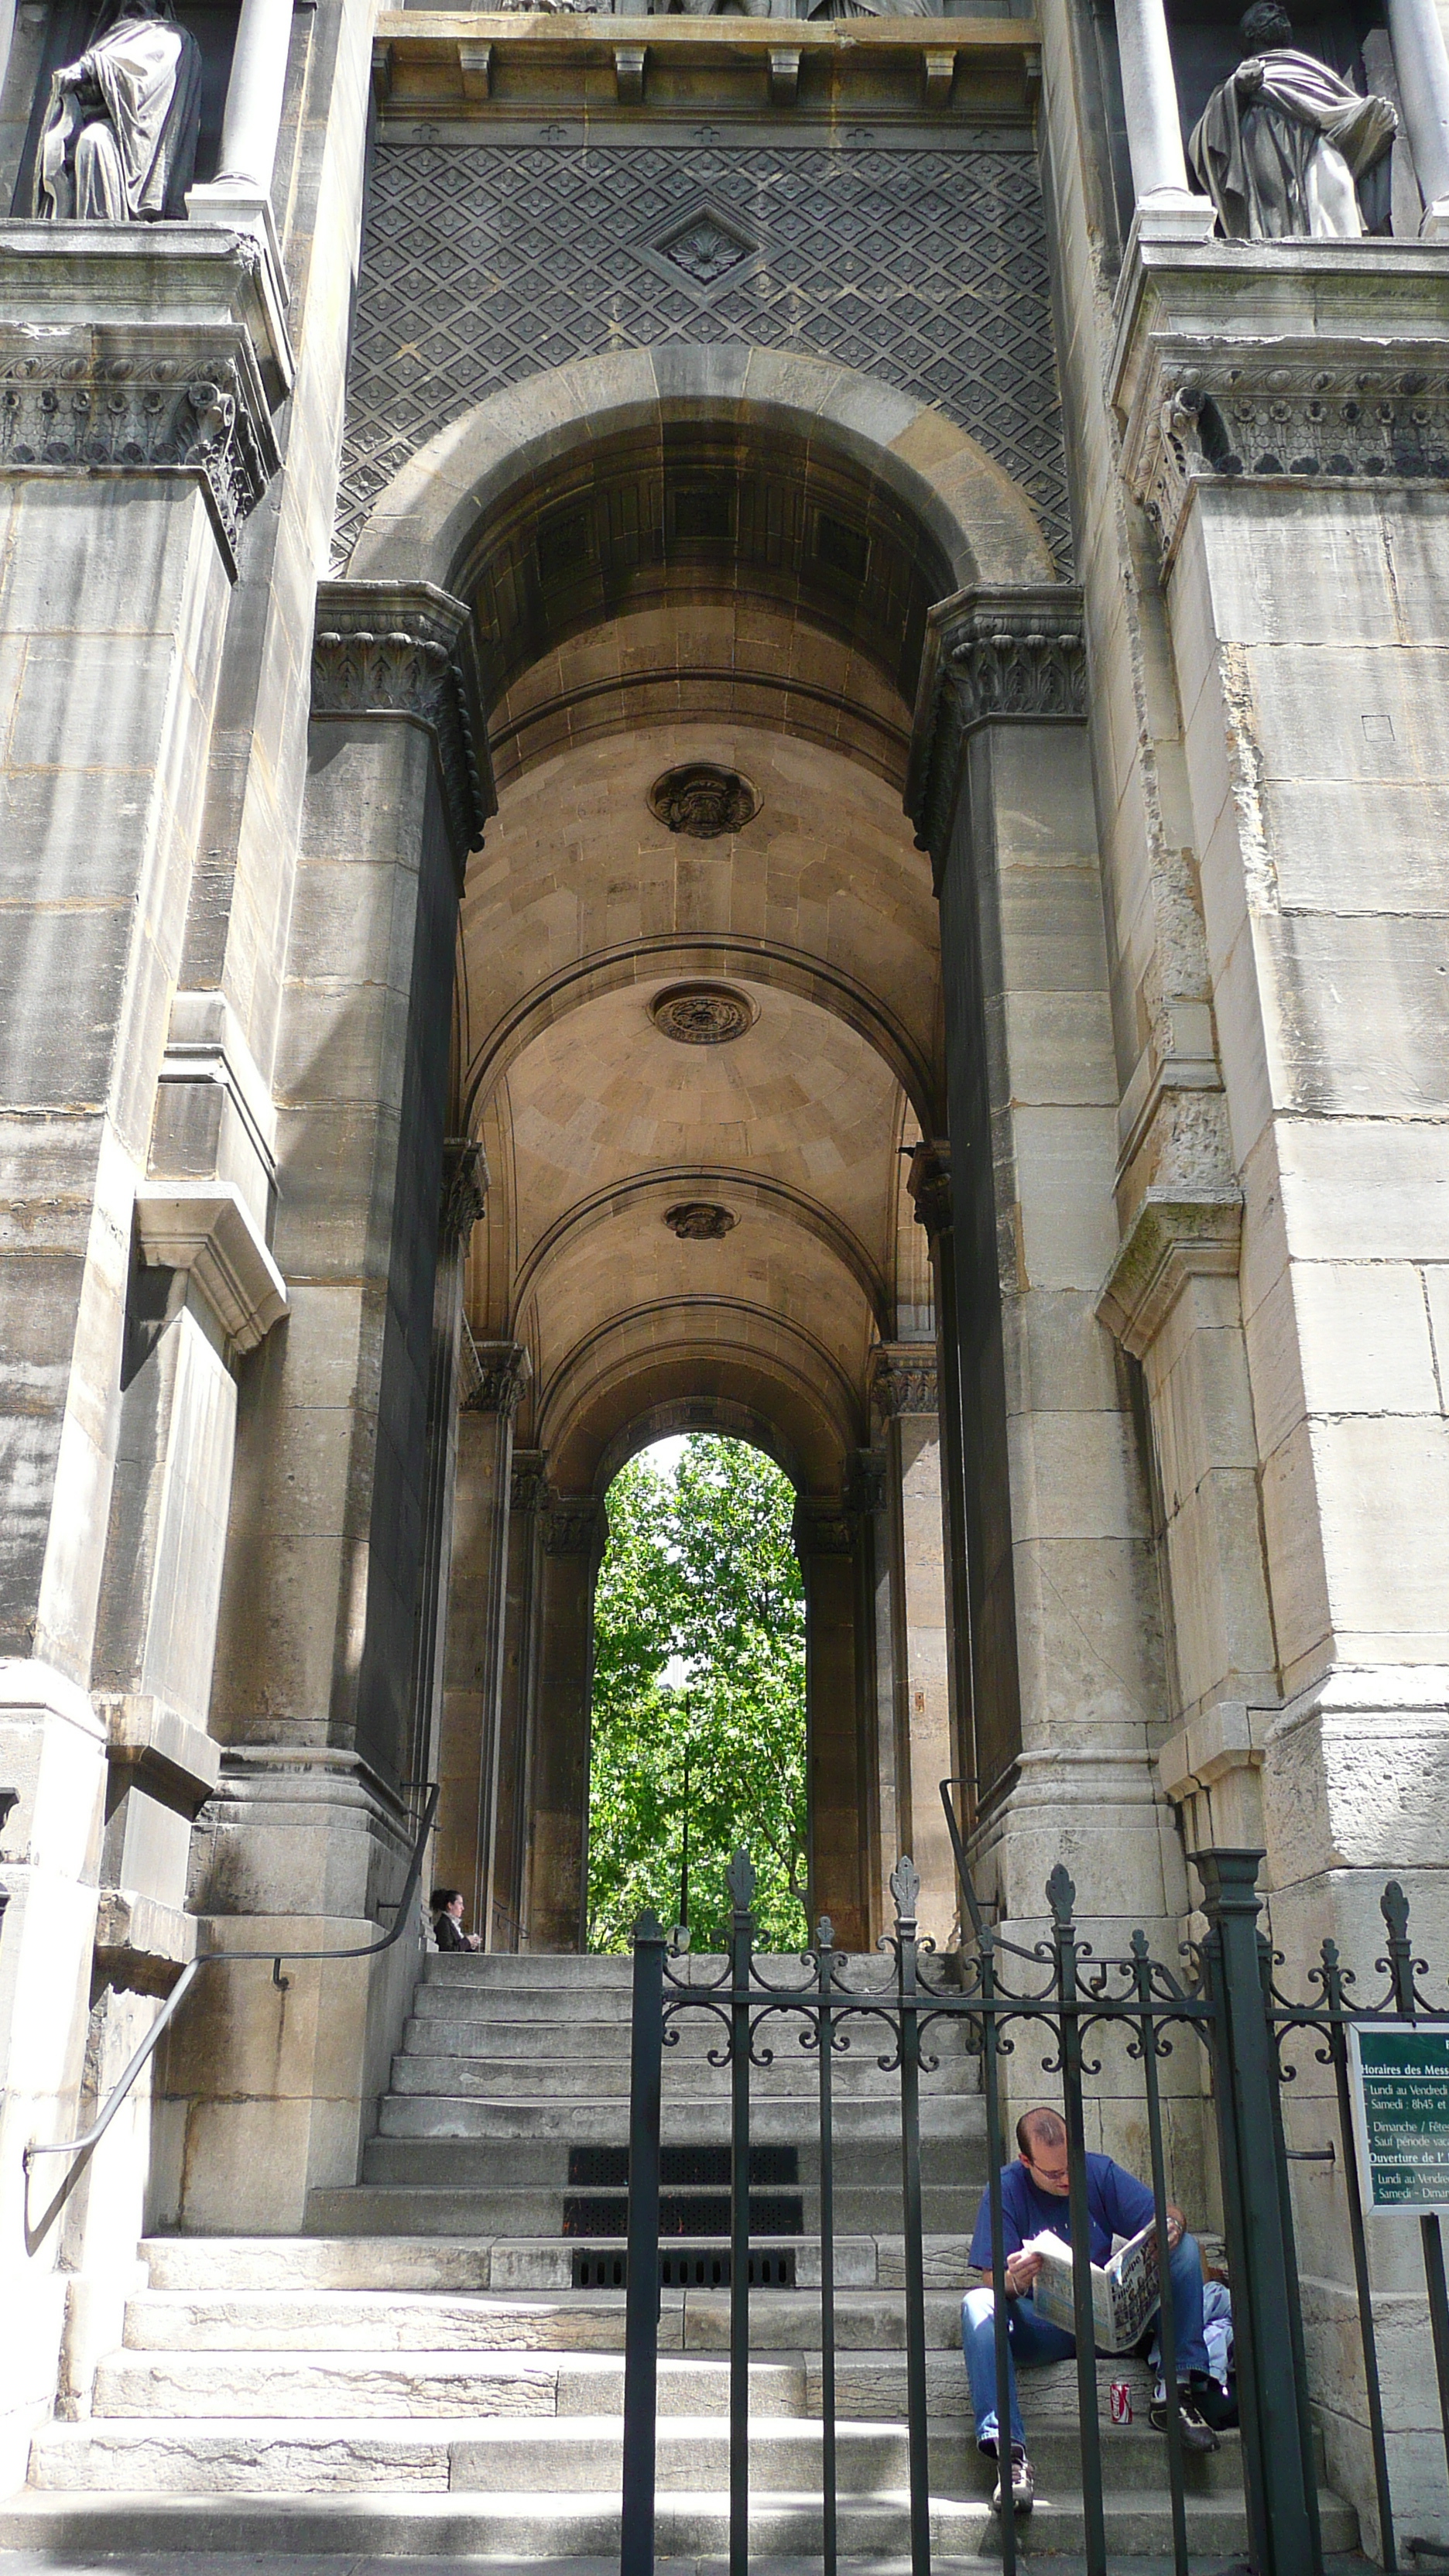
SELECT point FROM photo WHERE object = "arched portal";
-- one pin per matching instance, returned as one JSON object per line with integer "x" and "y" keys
{"x": 730, "y": 611}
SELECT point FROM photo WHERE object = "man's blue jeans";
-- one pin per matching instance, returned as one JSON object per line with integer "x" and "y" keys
{"x": 1031, "y": 2341}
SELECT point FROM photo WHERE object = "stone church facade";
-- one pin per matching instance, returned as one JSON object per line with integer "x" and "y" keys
{"x": 703, "y": 725}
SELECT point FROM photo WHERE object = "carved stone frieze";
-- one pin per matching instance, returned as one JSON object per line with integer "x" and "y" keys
{"x": 528, "y": 1490}
{"x": 574, "y": 1525}
{"x": 822, "y": 1529}
{"x": 405, "y": 651}
{"x": 465, "y": 1190}
{"x": 1334, "y": 370}
{"x": 80, "y": 414}
{"x": 903, "y": 1379}
{"x": 929, "y": 1183}
{"x": 990, "y": 657}
{"x": 497, "y": 1379}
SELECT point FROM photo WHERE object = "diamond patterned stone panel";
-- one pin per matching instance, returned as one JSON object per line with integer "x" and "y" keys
{"x": 487, "y": 262}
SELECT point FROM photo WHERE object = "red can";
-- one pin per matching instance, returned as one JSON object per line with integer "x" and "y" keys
{"x": 1120, "y": 2399}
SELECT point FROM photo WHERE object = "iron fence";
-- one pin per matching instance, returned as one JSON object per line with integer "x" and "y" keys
{"x": 1220, "y": 1995}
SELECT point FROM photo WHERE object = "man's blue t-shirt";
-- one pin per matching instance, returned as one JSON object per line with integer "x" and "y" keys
{"x": 1117, "y": 2205}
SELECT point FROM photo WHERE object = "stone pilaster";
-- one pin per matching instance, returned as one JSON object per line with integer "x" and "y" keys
{"x": 492, "y": 1382}
{"x": 904, "y": 1393}
{"x": 574, "y": 1532}
{"x": 827, "y": 1542}
{"x": 1067, "y": 1696}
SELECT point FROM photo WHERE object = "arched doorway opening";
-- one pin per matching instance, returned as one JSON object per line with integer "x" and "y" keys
{"x": 697, "y": 1739}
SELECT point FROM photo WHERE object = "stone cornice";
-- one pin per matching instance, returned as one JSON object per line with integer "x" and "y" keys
{"x": 207, "y": 1228}
{"x": 1176, "y": 1235}
{"x": 903, "y": 1379}
{"x": 1323, "y": 363}
{"x": 990, "y": 657}
{"x": 141, "y": 349}
{"x": 406, "y": 652}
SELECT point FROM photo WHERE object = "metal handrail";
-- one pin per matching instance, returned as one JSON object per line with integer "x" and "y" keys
{"x": 963, "y": 1866}
{"x": 83, "y": 2148}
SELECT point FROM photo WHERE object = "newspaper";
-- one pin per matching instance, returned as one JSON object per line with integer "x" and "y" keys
{"x": 1125, "y": 2292}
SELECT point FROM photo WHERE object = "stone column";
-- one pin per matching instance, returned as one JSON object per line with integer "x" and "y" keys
{"x": 119, "y": 352}
{"x": 826, "y": 1538}
{"x": 1165, "y": 205}
{"x": 1068, "y": 1695}
{"x": 929, "y": 1183}
{"x": 504, "y": 1888}
{"x": 904, "y": 1393}
{"x": 494, "y": 1378}
{"x": 465, "y": 1188}
{"x": 1421, "y": 61}
{"x": 885, "y": 1767}
{"x": 314, "y": 1702}
{"x": 240, "y": 194}
{"x": 574, "y": 1529}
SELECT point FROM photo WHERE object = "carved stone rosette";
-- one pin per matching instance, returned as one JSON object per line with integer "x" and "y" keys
{"x": 172, "y": 373}
{"x": 990, "y": 657}
{"x": 1336, "y": 371}
{"x": 903, "y": 1379}
{"x": 404, "y": 651}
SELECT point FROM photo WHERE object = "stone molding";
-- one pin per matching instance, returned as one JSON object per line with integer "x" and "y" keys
{"x": 1176, "y": 1235}
{"x": 574, "y": 1525}
{"x": 148, "y": 1735}
{"x": 465, "y": 1191}
{"x": 1317, "y": 363}
{"x": 207, "y": 1228}
{"x": 127, "y": 350}
{"x": 903, "y": 1379}
{"x": 1227, "y": 1737}
{"x": 142, "y": 1944}
{"x": 503, "y": 1373}
{"x": 405, "y": 652}
{"x": 991, "y": 656}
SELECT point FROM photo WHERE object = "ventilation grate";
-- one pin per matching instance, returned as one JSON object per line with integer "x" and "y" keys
{"x": 683, "y": 2267}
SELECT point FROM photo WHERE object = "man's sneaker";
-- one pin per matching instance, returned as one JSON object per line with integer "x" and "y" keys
{"x": 1195, "y": 2434}
{"x": 1023, "y": 2485}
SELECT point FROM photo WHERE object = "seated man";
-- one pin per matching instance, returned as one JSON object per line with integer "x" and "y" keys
{"x": 1033, "y": 2199}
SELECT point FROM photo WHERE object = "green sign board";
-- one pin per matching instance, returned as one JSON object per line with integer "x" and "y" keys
{"x": 1400, "y": 2079}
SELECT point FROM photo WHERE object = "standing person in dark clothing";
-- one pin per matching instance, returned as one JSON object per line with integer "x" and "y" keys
{"x": 448, "y": 1932}
{"x": 1033, "y": 2201}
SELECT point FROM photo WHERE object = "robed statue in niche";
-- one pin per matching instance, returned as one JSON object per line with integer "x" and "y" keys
{"x": 1281, "y": 146}
{"x": 119, "y": 141}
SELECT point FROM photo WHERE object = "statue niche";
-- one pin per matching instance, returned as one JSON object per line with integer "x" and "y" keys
{"x": 1282, "y": 144}
{"x": 119, "y": 141}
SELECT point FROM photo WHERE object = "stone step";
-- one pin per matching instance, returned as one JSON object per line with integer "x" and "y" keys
{"x": 364, "y": 2321}
{"x": 508, "y": 2527}
{"x": 517, "y": 2079}
{"x": 444, "y": 2262}
{"x": 445, "y": 2022}
{"x": 546, "y": 2455}
{"x": 512, "y": 2384}
{"x": 951, "y": 2159}
{"x": 687, "y": 2120}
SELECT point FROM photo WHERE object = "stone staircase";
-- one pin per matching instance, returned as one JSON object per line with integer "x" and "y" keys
{"x": 437, "y": 2368}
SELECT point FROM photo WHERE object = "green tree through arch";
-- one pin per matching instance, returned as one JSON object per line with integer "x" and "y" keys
{"x": 699, "y": 1637}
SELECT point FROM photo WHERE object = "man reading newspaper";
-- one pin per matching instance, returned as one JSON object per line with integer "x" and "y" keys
{"x": 1034, "y": 2202}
